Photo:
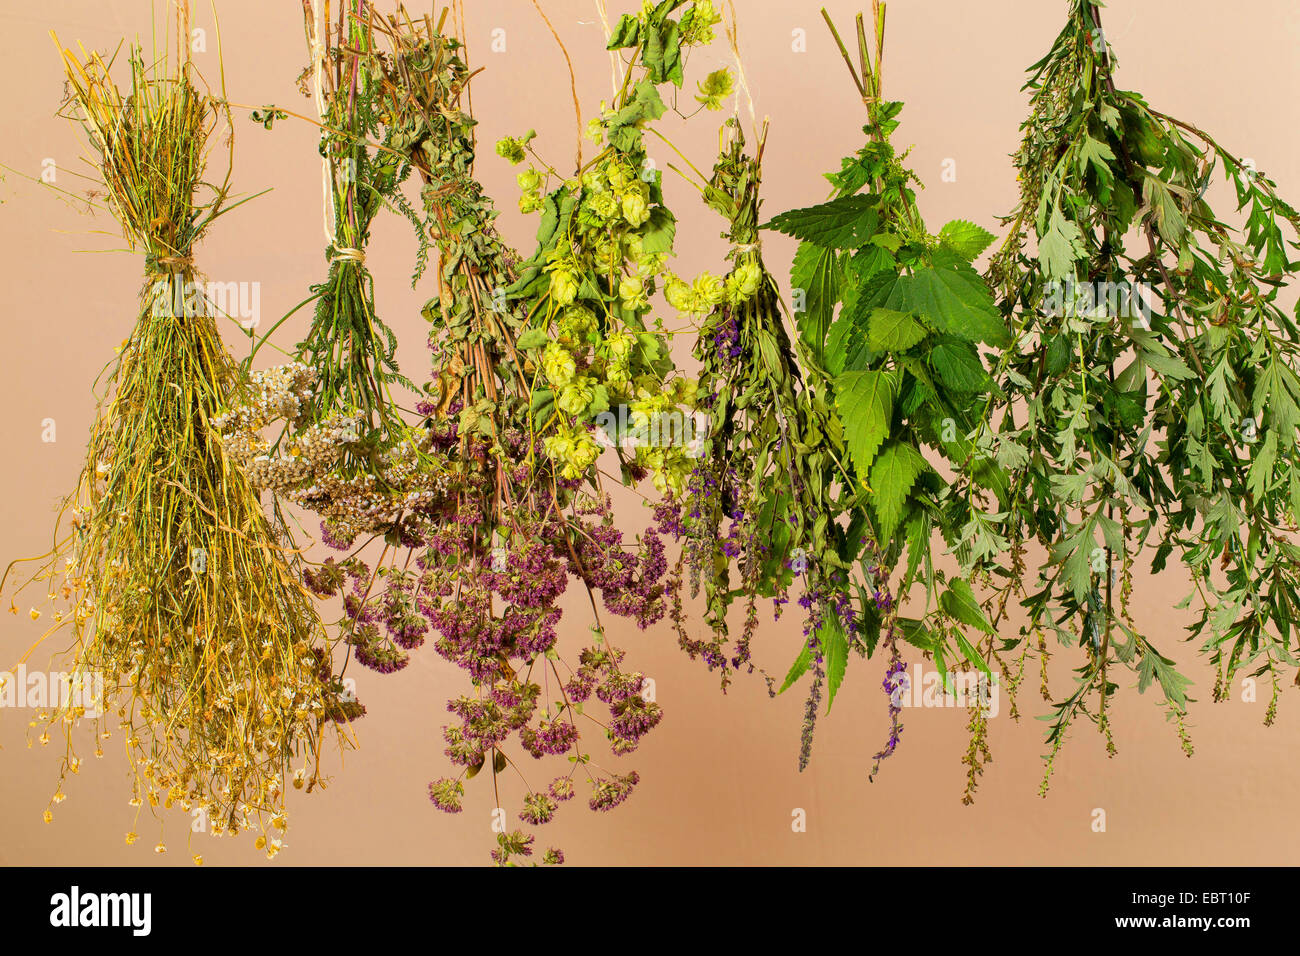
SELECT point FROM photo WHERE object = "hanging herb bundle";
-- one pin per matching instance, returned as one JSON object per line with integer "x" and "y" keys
{"x": 344, "y": 450}
{"x": 1150, "y": 396}
{"x": 507, "y": 414}
{"x": 182, "y": 597}
{"x": 901, "y": 369}
{"x": 758, "y": 497}
{"x": 603, "y": 376}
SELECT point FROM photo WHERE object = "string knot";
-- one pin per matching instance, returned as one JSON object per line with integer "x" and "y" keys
{"x": 169, "y": 264}
{"x": 346, "y": 254}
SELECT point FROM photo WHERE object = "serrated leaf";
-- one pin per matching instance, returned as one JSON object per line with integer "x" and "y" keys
{"x": 960, "y": 603}
{"x": 895, "y": 471}
{"x": 845, "y": 223}
{"x": 843, "y": 344}
{"x": 797, "y": 669}
{"x": 889, "y": 330}
{"x": 815, "y": 271}
{"x": 950, "y": 296}
{"x": 835, "y": 651}
{"x": 966, "y": 239}
{"x": 959, "y": 366}
{"x": 1155, "y": 665}
{"x": 1097, "y": 153}
{"x": 866, "y": 404}
{"x": 971, "y": 654}
{"x": 1060, "y": 246}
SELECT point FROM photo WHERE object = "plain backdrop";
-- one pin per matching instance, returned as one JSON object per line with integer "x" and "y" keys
{"x": 719, "y": 779}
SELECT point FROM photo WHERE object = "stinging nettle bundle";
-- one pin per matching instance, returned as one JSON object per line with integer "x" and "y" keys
{"x": 890, "y": 333}
{"x": 182, "y": 595}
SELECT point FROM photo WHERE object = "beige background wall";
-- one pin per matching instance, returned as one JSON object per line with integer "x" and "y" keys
{"x": 719, "y": 780}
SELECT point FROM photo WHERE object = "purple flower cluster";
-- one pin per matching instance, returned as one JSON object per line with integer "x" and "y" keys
{"x": 726, "y": 339}
{"x": 610, "y": 793}
{"x": 885, "y": 603}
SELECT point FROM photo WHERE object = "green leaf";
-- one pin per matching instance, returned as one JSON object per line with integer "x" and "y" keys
{"x": 844, "y": 346}
{"x": 889, "y": 330}
{"x": 892, "y": 476}
{"x": 966, "y": 239}
{"x": 533, "y": 339}
{"x": 659, "y": 232}
{"x": 1260, "y": 476}
{"x": 797, "y": 669}
{"x": 1097, "y": 153}
{"x": 950, "y": 296}
{"x": 971, "y": 653}
{"x": 1170, "y": 219}
{"x": 1060, "y": 246}
{"x": 1166, "y": 364}
{"x": 960, "y": 603}
{"x": 626, "y": 34}
{"x": 815, "y": 271}
{"x": 1154, "y": 664}
{"x": 835, "y": 651}
{"x": 646, "y": 105}
{"x": 959, "y": 366}
{"x": 916, "y": 633}
{"x": 845, "y": 223}
{"x": 866, "y": 404}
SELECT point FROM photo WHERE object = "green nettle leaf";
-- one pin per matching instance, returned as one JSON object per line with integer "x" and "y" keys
{"x": 892, "y": 476}
{"x": 889, "y": 330}
{"x": 844, "y": 346}
{"x": 966, "y": 239}
{"x": 1060, "y": 247}
{"x": 866, "y": 404}
{"x": 970, "y": 652}
{"x": 797, "y": 669}
{"x": 900, "y": 292}
{"x": 815, "y": 272}
{"x": 845, "y": 223}
{"x": 835, "y": 651}
{"x": 959, "y": 366}
{"x": 951, "y": 297}
{"x": 960, "y": 604}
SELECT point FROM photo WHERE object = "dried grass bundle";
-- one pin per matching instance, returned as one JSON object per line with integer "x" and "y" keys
{"x": 184, "y": 595}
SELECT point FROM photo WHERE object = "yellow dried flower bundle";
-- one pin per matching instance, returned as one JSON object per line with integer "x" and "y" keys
{"x": 186, "y": 601}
